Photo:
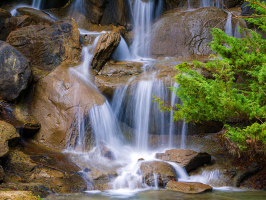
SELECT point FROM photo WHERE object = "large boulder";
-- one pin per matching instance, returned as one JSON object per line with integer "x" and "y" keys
{"x": 164, "y": 171}
{"x": 105, "y": 47}
{"x": 188, "y": 187}
{"x": 37, "y": 16}
{"x": 188, "y": 159}
{"x": 8, "y": 137}
{"x": 17, "y": 195}
{"x": 186, "y": 34}
{"x": 15, "y": 72}
{"x": 59, "y": 100}
{"x": 48, "y": 46}
{"x": 4, "y": 30}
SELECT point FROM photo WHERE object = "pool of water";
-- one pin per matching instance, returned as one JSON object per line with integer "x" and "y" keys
{"x": 165, "y": 195}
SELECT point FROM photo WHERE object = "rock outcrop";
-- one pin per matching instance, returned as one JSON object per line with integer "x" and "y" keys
{"x": 4, "y": 29}
{"x": 105, "y": 47}
{"x": 15, "y": 72}
{"x": 188, "y": 187}
{"x": 188, "y": 159}
{"x": 2, "y": 174}
{"x": 164, "y": 171}
{"x": 8, "y": 137}
{"x": 17, "y": 195}
{"x": 46, "y": 46}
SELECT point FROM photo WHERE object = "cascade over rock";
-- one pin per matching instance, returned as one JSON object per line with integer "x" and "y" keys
{"x": 188, "y": 159}
{"x": 188, "y": 187}
{"x": 185, "y": 34}
{"x": 47, "y": 46}
{"x": 105, "y": 47}
{"x": 58, "y": 101}
{"x": 15, "y": 72}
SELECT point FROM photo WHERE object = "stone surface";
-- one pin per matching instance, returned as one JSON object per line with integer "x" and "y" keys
{"x": 17, "y": 195}
{"x": 37, "y": 16}
{"x": 5, "y": 25}
{"x": 164, "y": 171}
{"x": 2, "y": 174}
{"x": 60, "y": 98}
{"x": 8, "y": 136}
{"x": 188, "y": 187}
{"x": 46, "y": 46}
{"x": 185, "y": 34}
{"x": 188, "y": 159}
{"x": 105, "y": 47}
{"x": 15, "y": 72}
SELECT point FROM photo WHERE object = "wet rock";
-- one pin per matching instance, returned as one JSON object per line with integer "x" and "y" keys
{"x": 165, "y": 172}
{"x": 4, "y": 14}
{"x": 23, "y": 21}
{"x": 15, "y": 72}
{"x": 17, "y": 195}
{"x": 60, "y": 99}
{"x": 2, "y": 174}
{"x": 20, "y": 164}
{"x": 8, "y": 137}
{"x": 102, "y": 185}
{"x": 188, "y": 187}
{"x": 105, "y": 47}
{"x": 46, "y": 46}
{"x": 4, "y": 31}
{"x": 181, "y": 34}
{"x": 104, "y": 151}
{"x": 121, "y": 68}
{"x": 188, "y": 159}
{"x": 87, "y": 39}
{"x": 37, "y": 16}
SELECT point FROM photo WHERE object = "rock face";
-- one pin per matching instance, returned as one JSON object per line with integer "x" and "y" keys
{"x": 60, "y": 98}
{"x": 105, "y": 47}
{"x": 188, "y": 187}
{"x": 185, "y": 34}
{"x": 8, "y": 136}
{"x": 2, "y": 174}
{"x": 17, "y": 195}
{"x": 48, "y": 46}
{"x": 164, "y": 171}
{"x": 4, "y": 30}
{"x": 188, "y": 159}
{"x": 37, "y": 16}
{"x": 15, "y": 72}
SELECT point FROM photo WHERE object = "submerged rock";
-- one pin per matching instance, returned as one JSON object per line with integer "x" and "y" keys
{"x": 15, "y": 72}
{"x": 105, "y": 47}
{"x": 188, "y": 159}
{"x": 164, "y": 173}
{"x": 8, "y": 137}
{"x": 188, "y": 187}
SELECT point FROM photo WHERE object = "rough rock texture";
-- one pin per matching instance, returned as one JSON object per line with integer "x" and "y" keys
{"x": 37, "y": 16}
{"x": 105, "y": 47}
{"x": 59, "y": 98}
{"x": 164, "y": 171}
{"x": 188, "y": 187}
{"x": 17, "y": 195}
{"x": 181, "y": 34}
{"x": 2, "y": 174}
{"x": 4, "y": 29}
{"x": 8, "y": 136}
{"x": 188, "y": 159}
{"x": 15, "y": 72}
{"x": 47, "y": 46}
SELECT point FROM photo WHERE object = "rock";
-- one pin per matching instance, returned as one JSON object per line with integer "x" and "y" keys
{"x": 87, "y": 39}
{"x": 15, "y": 72}
{"x": 37, "y": 16}
{"x": 5, "y": 27}
{"x": 4, "y": 14}
{"x": 23, "y": 21}
{"x": 105, "y": 47}
{"x": 188, "y": 159}
{"x": 122, "y": 68}
{"x": 8, "y": 137}
{"x": 2, "y": 174}
{"x": 186, "y": 34}
{"x": 188, "y": 187}
{"x": 59, "y": 100}
{"x": 20, "y": 164}
{"x": 164, "y": 171}
{"x": 102, "y": 150}
{"x": 17, "y": 195}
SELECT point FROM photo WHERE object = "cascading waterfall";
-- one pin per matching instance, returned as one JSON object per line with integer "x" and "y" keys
{"x": 228, "y": 25}
{"x": 37, "y": 4}
{"x": 211, "y": 3}
{"x": 122, "y": 51}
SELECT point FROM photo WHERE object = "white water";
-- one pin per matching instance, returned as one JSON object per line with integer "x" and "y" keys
{"x": 37, "y": 4}
{"x": 211, "y": 3}
{"x": 228, "y": 25}
{"x": 122, "y": 51}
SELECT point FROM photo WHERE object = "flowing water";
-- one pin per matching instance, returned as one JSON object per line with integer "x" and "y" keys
{"x": 212, "y": 3}
{"x": 37, "y": 4}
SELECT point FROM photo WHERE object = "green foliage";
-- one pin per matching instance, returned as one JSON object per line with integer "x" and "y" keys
{"x": 259, "y": 7}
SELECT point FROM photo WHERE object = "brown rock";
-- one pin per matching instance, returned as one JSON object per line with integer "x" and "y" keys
{"x": 46, "y": 46}
{"x": 188, "y": 159}
{"x": 102, "y": 150}
{"x": 17, "y": 195}
{"x": 8, "y": 136}
{"x": 23, "y": 21}
{"x": 188, "y": 187}
{"x": 60, "y": 98}
{"x": 164, "y": 171}
{"x": 4, "y": 14}
{"x": 2, "y": 174}
{"x": 105, "y": 47}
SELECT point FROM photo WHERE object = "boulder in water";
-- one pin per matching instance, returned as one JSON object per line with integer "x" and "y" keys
{"x": 188, "y": 159}
{"x": 9, "y": 137}
{"x": 105, "y": 47}
{"x": 164, "y": 171}
{"x": 188, "y": 187}
{"x": 103, "y": 150}
{"x": 15, "y": 72}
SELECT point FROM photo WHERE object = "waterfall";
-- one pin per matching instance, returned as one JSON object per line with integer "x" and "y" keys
{"x": 228, "y": 25}
{"x": 211, "y": 3}
{"x": 37, "y": 4}
{"x": 122, "y": 51}
{"x": 144, "y": 14}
